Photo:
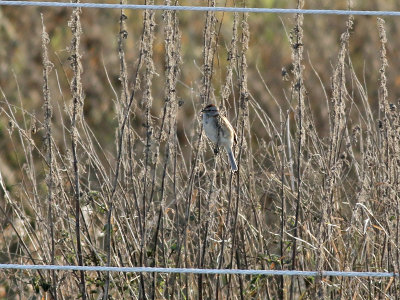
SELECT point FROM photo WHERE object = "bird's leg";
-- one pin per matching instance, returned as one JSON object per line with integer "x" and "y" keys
{"x": 216, "y": 149}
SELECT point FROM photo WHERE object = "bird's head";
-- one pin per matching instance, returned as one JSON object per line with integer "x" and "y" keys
{"x": 210, "y": 110}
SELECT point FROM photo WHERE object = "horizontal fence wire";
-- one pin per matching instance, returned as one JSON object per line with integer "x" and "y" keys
{"x": 205, "y": 8}
{"x": 199, "y": 271}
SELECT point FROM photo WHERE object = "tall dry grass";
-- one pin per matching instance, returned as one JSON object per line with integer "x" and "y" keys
{"x": 164, "y": 196}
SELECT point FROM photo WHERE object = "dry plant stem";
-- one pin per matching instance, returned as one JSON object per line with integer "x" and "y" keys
{"x": 123, "y": 105}
{"x": 188, "y": 198}
{"x": 126, "y": 105}
{"x": 224, "y": 236}
{"x": 173, "y": 62}
{"x": 226, "y": 91}
{"x": 298, "y": 94}
{"x": 283, "y": 208}
{"x": 148, "y": 28}
{"x": 123, "y": 34}
{"x": 124, "y": 96}
{"x": 389, "y": 141}
{"x": 168, "y": 123}
{"x": 244, "y": 150}
{"x": 160, "y": 221}
{"x": 234, "y": 248}
{"x": 76, "y": 88}
{"x": 154, "y": 258}
{"x": 160, "y": 209}
{"x": 147, "y": 46}
{"x": 232, "y": 58}
{"x": 207, "y": 215}
{"x": 202, "y": 252}
{"x": 206, "y": 82}
{"x": 333, "y": 167}
{"x": 248, "y": 150}
{"x": 171, "y": 71}
{"x": 209, "y": 49}
{"x": 210, "y": 40}
{"x": 208, "y": 58}
{"x": 47, "y": 66}
{"x": 130, "y": 134}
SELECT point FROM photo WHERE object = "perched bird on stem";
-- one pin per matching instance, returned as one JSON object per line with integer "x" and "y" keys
{"x": 219, "y": 131}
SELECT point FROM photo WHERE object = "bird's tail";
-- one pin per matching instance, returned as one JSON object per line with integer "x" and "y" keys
{"x": 232, "y": 160}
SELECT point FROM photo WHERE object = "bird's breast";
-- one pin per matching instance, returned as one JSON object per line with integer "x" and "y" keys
{"x": 215, "y": 132}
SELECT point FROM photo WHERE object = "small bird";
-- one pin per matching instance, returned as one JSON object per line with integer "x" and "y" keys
{"x": 219, "y": 131}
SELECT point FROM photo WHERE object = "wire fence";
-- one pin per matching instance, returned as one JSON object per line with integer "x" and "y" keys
{"x": 199, "y": 271}
{"x": 205, "y": 8}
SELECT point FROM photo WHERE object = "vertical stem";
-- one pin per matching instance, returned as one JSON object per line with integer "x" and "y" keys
{"x": 283, "y": 204}
{"x": 299, "y": 91}
{"x": 76, "y": 87}
{"x": 50, "y": 181}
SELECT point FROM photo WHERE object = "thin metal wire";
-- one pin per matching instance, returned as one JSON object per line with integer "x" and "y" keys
{"x": 204, "y": 8}
{"x": 199, "y": 271}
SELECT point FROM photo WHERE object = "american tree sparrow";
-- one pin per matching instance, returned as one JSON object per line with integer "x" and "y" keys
{"x": 219, "y": 131}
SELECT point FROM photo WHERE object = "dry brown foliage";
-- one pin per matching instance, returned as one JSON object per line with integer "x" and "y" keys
{"x": 130, "y": 180}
